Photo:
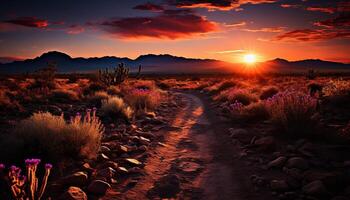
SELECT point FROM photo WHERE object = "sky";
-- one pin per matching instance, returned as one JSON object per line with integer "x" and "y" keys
{"x": 224, "y": 29}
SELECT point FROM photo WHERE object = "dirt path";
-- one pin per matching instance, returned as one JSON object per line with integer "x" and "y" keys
{"x": 198, "y": 160}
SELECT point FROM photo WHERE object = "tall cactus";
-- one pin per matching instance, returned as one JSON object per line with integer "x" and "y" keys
{"x": 138, "y": 76}
{"x": 114, "y": 76}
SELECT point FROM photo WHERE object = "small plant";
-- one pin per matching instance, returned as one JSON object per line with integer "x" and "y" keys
{"x": 143, "y": 99}
{"x": 25, "y": 187}
{"x": 292, "y": 111}
{"x": 115, "y": 76}
{"x": 268, "y": 92}
{"x": 45, "y": 77}
{"x": 115, "y": 107}
{"x": 314, "y": 89}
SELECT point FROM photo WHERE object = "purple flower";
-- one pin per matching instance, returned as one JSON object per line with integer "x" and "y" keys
{"x": 78, "y": 114}
{"x": 88, "y": 110}
{"x": 48, "y": 166}
{"x": 94, "y": 108}
{"x": 2, "y": 166}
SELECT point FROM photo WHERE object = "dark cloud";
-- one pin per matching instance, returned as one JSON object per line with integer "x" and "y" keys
{"x": 164, "y": 26}
{"x": 216, "y": 5}
{"x": 29, "y": 22}
{"x": 340, "y": 21}
{"x": 309, "y": 35}
{"x": 149, "y": 6}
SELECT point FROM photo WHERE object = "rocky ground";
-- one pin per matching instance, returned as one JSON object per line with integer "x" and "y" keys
{"x": 187, "y": 149}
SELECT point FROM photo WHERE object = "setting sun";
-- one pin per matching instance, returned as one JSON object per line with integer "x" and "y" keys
{"x": 249, "y": 58}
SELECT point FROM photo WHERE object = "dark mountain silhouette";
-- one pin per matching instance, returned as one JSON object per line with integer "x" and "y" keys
{"x": 151, "y": 63}
{"x": 316, "y": 64}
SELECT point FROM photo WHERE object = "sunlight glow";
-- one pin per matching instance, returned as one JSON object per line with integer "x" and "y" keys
{"x": 249, "y": 58}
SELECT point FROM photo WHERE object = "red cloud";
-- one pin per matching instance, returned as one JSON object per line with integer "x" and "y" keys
{"x": 308, "y": 35}
{"x": 29, "y": 22}
{"x": 149, "y": 6}
{"x": 322, "y": 9}
{"x": 162, "y": 26}
{"x": 217, "y": 5}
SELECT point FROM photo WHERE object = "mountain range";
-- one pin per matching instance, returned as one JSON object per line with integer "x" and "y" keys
{"x": 163, "y": 63}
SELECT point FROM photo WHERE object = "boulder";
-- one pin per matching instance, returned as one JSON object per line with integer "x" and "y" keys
{"x": 297, "y": 162}
{"x": 278, "y": 162}
{"x": 133, "y": 161}
{"x": 98, "y": 187}
{"x": 73, "y": 193}
{"x": 279, "y": 185}
{"x": 76, "y": 179}
{"x": 315, "y": 188}
{"x": 267, "y": 143}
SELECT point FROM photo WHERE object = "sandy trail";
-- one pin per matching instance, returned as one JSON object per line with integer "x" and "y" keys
{"x": 197, "y": 162}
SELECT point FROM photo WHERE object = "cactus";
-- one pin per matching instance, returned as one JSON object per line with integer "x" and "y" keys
{"x": 138, "y": 76}
{"x": 26, "y": 187}
{"x": 114, "y": 76}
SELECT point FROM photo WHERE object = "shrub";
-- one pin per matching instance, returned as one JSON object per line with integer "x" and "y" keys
{"x": 114, "y": 90}
{"x": 52, "y": 137}
{"x": 115, "y": 107}
{"x": 97, "y": 98}
{"x": 93, "y": 87}
{"x": 61, "y": 95}
{"x": 241, "y": 96}
{"x": 143, "y": 99}
{"x": 268, "y": 92}
{"x": 292, "y": 111}
{"x": 254, "y": 111}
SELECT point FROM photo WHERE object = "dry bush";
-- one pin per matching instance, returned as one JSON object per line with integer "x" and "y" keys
{"x": 143, "y": 100}
{"x": 268, "y": 92}
{"x": 61, "y": 95}
{"x": 114, "y": 90}
{"x": 97, "y": 98}
{"x": 239, "y": 95}
{"x": 221, "y": 87}
{"x": 292, "y": 112}
{"x": 51, "y": 137}
{"x": 253, "y": 112}
{"x": 115, "y": 107}
{"x": 93, "y": 87}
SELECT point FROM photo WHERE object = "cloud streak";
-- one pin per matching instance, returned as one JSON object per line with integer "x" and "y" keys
{"x": 32, "y": 22}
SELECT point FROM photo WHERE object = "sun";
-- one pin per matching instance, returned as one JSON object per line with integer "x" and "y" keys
{"x": 249, "y": 58}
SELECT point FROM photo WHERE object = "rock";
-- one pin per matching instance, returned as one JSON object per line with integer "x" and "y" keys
{"x": 143, "y": 148}
{"x": 278, "y": 162}
{"x": 76, "y": 179}
{"x": 166, "y": 187}
{"x": 241, "y": 135}
{"x": 106, "y": 174}
{"x": 123, "y": 149}
{"x": 150, "y": 114}
{"x": 133, "y": 161}
{"x": 98, "y": 187}
{"x": 297, "y": 162}
{"x": 107, "y": 164}
{"x": 73, "y": 193}
{"x": 279, "y": 185}
{"x": 105, "y": 149}
{"x": 334, "y": 181}
{"x": 87, "y": 167}
{"x": 340, "y": 198}
{"x": 315, "y": 188}
{"x": 267, "y": 143}
{"x": 144, "y": 141}
{"x": 122, "y": 170}
{"x": 102, "y": 157}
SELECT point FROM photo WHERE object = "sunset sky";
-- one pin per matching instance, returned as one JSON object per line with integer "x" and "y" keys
{"x": 224, "y": 29}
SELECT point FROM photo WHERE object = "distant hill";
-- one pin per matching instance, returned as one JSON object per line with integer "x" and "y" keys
{"x": 301, "y": 65}
{"x": 164, "y": 63}
{"x": 150, "y": 63}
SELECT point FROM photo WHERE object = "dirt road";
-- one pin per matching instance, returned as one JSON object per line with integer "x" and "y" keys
{"x": 198, "y": 160}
